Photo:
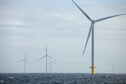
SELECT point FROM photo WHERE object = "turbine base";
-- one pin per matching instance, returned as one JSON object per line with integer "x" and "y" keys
{"x": 93, "y": 70}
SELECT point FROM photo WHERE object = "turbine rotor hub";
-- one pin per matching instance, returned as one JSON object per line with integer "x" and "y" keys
{"x": 93, "y": 21}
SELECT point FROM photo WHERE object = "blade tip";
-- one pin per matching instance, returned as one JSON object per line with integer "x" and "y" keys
{"x": 83, "y": 53}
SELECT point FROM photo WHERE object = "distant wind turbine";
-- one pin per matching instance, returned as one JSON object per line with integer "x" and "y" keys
{"x": 112, "y": 65}
{"x": 50, "y": 63}
{"x": 91, "y": 30}
{"x": 47, "y": 57}
{"x": 25, "y": 62}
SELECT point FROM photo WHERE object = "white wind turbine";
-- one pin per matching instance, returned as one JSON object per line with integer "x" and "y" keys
{"x": 47, "y": 57}
{"x": 50, "y": 63}
{"x": 91, "y": 31}
{"x": 25, "y": 62}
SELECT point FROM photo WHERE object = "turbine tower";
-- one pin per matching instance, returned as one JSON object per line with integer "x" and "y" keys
{"x": 91, "y": 31}
{"x": 25, "y": 62}
{"x": 112, "y": 65}
{"x": 50, "y": 63}
{"x": 47, "y": 57}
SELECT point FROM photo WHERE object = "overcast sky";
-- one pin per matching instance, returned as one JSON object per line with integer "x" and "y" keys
{"x": 27, "y": 25}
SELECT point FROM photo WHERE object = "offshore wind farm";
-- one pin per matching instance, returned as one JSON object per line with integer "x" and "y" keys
{"x": 86, "y": 42}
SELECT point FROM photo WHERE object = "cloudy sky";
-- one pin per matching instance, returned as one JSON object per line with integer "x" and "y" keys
{"x": 27, "y": 25}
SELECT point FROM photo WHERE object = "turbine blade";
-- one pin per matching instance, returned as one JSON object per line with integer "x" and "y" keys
{"x": 101, "y": 19}
{"x": 92, "y": 25}
{"x": 42, "y": 58}
{"x": 50, "y": 62}
{"x": 53, "y": 62}
{"x": 52, "y": 57}
{"x": 22, "y": 60}
{"x": 27, "y": 62}
{"x": 82, "y": 11}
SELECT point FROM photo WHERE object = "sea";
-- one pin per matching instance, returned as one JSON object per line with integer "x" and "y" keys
{"x": 61, "y": 78}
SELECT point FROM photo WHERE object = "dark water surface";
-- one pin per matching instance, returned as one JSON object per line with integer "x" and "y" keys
{"x": 61, "y": 78}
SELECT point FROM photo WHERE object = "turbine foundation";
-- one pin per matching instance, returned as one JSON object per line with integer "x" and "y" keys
{"x": 93, "y": 70}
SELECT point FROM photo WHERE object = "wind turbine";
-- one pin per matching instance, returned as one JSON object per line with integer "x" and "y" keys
{"x": 50, "y": 63}
{"x": 25, "y": 62}
{"x": 46, "y": 56}
{"x": 91, "y": 31}
{"x": 112, "y": 65}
